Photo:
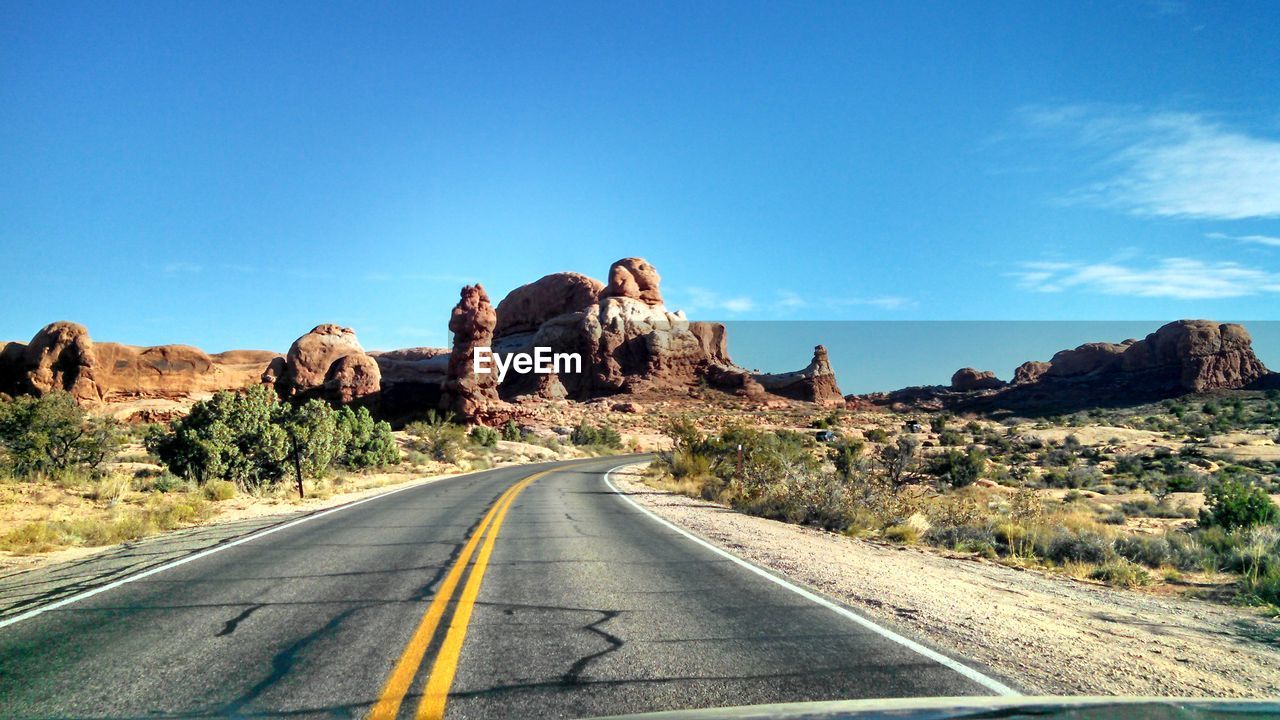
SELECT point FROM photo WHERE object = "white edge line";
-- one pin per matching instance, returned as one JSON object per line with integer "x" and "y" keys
{"x": 990, "y": 683}
{"x": 203, "y": 553}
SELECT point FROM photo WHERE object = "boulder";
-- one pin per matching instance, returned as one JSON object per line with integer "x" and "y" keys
{"x": 1094, "y": 358}
{"x": 310, "y": 357}
{"x": 472, "y": 396}
{"x": 61, "y": 357}
{"x": 1029, "y": 372}
{"x": 527, "y": 307}
{"x": 1202, "y": 354}
{"x": 636, "y": 279}
{"x": 353, "y": 379}
{"x": 969, "y": 380}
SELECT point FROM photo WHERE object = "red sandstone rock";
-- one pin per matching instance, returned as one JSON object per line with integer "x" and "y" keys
{"x": 528, "y": 306}
{"x": 467, "y": 393}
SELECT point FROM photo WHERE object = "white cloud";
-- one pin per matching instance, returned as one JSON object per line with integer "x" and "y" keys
{"x": 1178, "y": 278}
{"x": 1268, "y": 240}
{"x": 1168, "y": 163}
{"x": 700, "y": 301}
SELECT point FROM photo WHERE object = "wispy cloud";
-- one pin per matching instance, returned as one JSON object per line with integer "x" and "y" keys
{"x": 702, "y": 300}
{"x": 1268, "y": 240}
{"x": 1170, "y": 164}
{"x": 786, "y": 303}
{"x": 181, "y": 268}
{"x": 884, "y": 302}
{"x": 1179, "y": 278}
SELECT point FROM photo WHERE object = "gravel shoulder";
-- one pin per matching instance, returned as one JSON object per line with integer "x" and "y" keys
{"x": 1048, "y": 634}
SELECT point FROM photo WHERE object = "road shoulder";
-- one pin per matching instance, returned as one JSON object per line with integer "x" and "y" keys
{"x": 1050, "y": 635}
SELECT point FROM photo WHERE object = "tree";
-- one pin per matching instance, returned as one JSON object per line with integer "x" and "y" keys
{"x": 898, "y": 459}
{"x": 311, "y": 432}
{"x": 52, "y": 433}
{"x": 231, "y": 436}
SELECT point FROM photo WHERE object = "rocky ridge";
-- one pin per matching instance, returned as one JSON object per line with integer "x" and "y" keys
{"x": 1181, "y": 357}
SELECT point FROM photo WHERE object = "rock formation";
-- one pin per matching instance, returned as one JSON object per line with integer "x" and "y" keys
{"x": 469, "y": 394}
{"x": 528, "y": 306}
{"x": 61, "y": 357}
{"x": 636, "y": 279}
{"x": 815, "y": 383}
{"x": 968, "y": 379}
{"x": 1030, "y": 371}
{"x": 353, "y": 379}
{"x": 630, "y": 342}
{"x": 1186, "y": 356}
{"x": 310, "y": 357}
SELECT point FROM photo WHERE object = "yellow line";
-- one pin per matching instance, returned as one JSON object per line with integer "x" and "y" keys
{"x": 446, "y": 665}
{"x": 407, "y": 666}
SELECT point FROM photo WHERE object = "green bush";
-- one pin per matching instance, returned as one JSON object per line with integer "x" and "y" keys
{"x": 1232, "y": 503}
{"x": 587, "y": 434}
{"x": 960, "y": 469}
{"x": 366, "y": 443}
{"x": 51, "y": 434}
{"x": 1121, "y": 573}
{"x": 484, "y": 436}
{"x": 230, "y": 436}
{"x": 511, "y": 431}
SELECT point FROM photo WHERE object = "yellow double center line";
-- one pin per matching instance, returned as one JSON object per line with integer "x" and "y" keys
{"x": 446, "y": 664}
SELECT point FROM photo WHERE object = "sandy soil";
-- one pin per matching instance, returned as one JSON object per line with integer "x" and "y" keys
{"x": 1046, "y": 633}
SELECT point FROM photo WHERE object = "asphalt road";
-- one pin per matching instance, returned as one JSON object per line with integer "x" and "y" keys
{"x": 575, "y": 603}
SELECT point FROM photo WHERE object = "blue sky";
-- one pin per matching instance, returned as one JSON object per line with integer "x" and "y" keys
{"x": 231, "y": 174}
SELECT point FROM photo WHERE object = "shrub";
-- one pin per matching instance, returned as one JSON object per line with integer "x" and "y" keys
{"x": 876, "y": 435}
{"x": 587, "y": 434}
{"x": 511, "y": 431}
{"x": 1061, "y": 544}
{"x": 366, "y": 443}
{"x": 961, "y": 469}
{"x": 1231, "y": 504}
{"x": 51, "y": 433}
{"x": 1121, "y": 573}
{"x": 164, "y": 483}
{"x": 906, "y": 533}
{"x": 231, "y": 437}
{"x": 484, "y": 436}
{"x": 219, "y": 490}
{"x": 437, "y": 437}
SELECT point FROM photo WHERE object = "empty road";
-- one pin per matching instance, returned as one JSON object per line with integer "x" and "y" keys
{"x": 531, "y": 591}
